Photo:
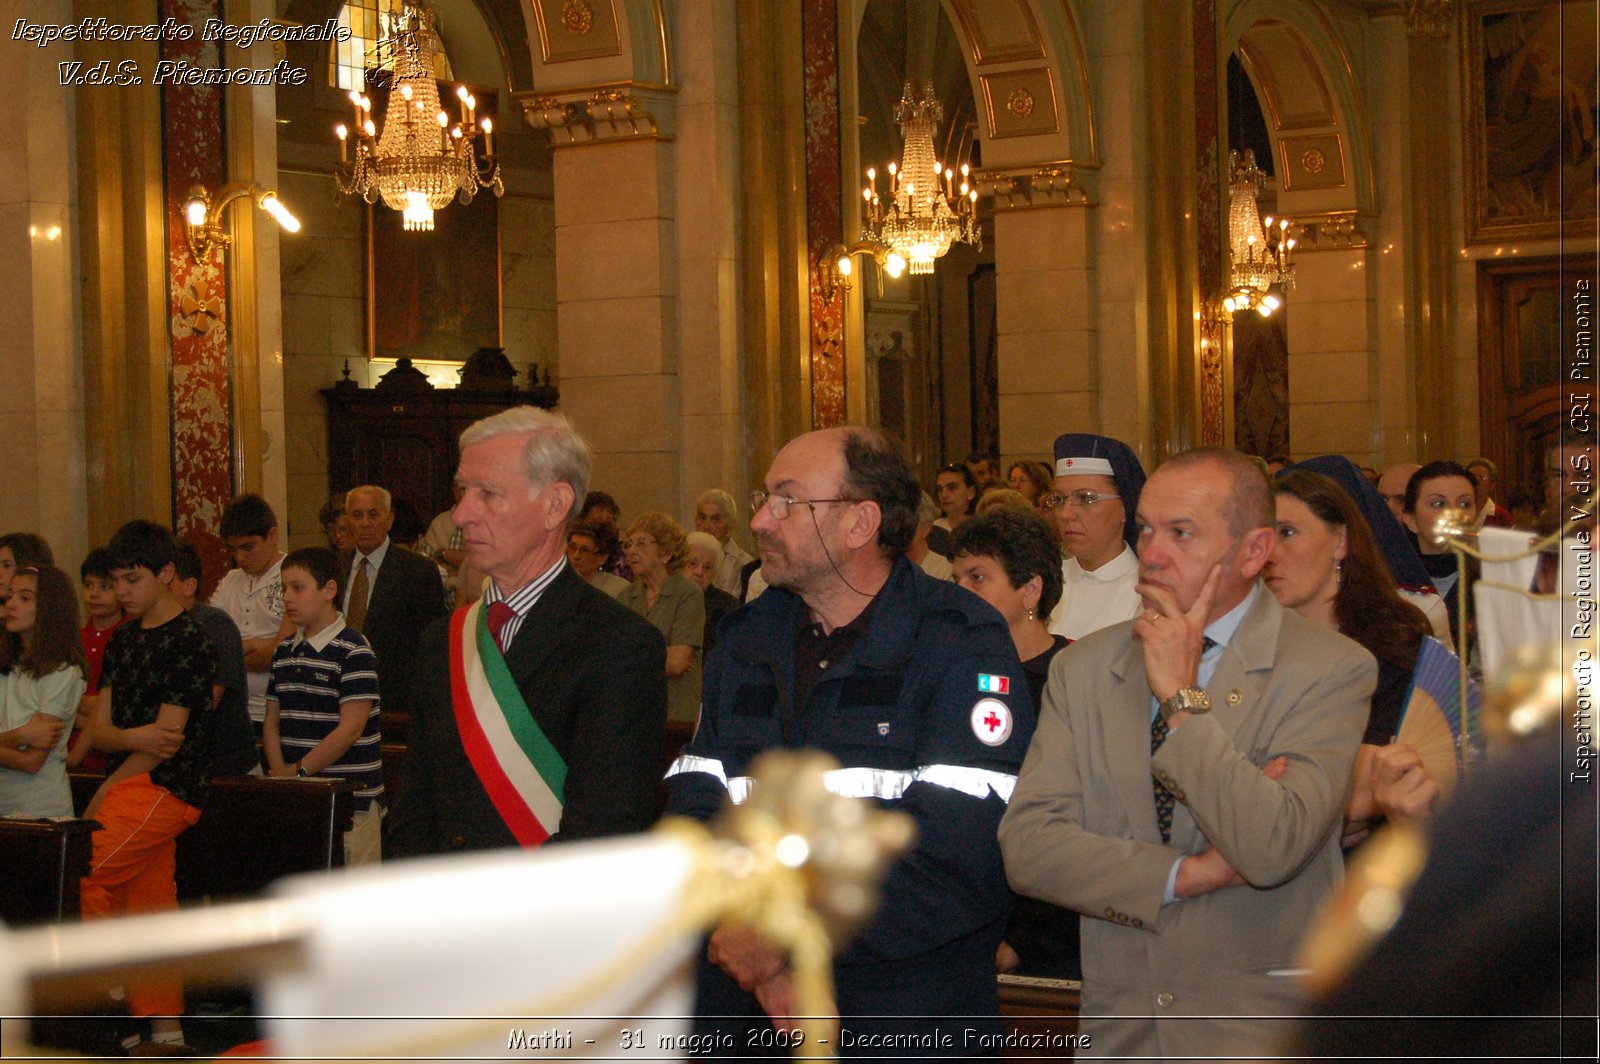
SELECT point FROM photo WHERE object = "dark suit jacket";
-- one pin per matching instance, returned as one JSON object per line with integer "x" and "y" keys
{"x": 407, "y": 596}
{"x": 593, "y": 673}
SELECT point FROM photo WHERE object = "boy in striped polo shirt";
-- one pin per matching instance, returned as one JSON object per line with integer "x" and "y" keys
{"x": 322, "y": 697}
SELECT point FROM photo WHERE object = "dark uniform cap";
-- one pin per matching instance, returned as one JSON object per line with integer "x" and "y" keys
{"x": 1085, "y": 453}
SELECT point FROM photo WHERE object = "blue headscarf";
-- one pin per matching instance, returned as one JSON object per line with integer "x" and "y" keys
{"x": 1402, "y": 559}
{"x": 1125, "y": 470}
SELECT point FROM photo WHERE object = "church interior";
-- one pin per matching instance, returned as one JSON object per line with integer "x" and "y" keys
{"x": 679, "y": 180}
{"x": 290, "y": 247}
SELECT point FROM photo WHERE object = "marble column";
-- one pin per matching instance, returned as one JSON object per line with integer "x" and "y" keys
{"x": 41, "y": 378}
{"x": 1046, "y": 335}
{"x": 708, "y": 181}
{"x": 617, "y": 313}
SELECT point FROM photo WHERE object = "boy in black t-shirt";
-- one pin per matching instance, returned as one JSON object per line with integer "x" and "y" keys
{"x": 155, "y": 697}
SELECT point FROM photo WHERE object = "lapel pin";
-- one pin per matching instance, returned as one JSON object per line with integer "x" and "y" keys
{"x": 1234, "y": 697}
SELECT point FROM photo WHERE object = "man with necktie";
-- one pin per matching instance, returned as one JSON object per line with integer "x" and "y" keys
{"x": 1184, "y": 789}
{"x": 540, "y": 709}
{"x": 390, "y": 594}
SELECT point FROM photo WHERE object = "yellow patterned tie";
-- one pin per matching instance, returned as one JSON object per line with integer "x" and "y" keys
{"x": 356, "y": 617}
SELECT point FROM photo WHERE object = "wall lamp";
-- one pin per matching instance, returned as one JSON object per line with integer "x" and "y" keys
{"x": 839, "y": 269}
{"x": 202, "y": 215}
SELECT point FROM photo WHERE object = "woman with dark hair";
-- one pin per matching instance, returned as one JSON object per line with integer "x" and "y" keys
{"x": 599, "y": 509}
{"x": 1438, "y": 492}
{"x": 1008, "y": 558}
{"x": 41, "y": 675}
{"x": 1394, "y": 543}
{"x": 1326, "y": 567}
{"x": 18, "y": 549}
{"x": 956, "y": 491}
{"x": 1032, "y": 479}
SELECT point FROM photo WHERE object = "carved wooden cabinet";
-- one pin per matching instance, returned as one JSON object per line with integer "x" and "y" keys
{"x": 402, "y": 433}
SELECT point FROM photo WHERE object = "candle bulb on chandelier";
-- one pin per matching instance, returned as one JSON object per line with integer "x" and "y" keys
{"x": 341, "y": 132}
{"x": 444, "y": 122}
{"x": 488, "y": 137}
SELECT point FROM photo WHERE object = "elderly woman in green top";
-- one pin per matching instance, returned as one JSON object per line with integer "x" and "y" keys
{"x": 655, "y": 549}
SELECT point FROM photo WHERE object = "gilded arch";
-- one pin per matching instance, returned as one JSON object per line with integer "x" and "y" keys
{"x": 1302, "y": 72}
{"x": 1026, "y": 63}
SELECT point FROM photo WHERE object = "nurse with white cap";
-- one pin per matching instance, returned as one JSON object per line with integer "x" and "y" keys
{"x": 1097, "y": 486}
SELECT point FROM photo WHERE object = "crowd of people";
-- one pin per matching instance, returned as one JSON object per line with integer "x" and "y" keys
{"x": 1114, "y": 703}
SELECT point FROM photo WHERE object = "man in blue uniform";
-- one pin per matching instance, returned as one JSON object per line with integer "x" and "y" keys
{"x": 913, "y": 685}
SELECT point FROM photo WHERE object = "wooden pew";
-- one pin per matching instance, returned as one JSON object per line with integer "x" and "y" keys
{"x": 254, "y": 831}
{"x": 43, "y": 860}
{"x": 1031, "y": 1007}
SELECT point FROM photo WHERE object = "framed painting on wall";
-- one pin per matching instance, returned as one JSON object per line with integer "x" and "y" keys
{"x": 1529, "y": 68}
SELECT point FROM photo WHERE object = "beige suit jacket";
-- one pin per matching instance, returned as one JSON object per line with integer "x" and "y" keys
{"x": 1081, "y": 828}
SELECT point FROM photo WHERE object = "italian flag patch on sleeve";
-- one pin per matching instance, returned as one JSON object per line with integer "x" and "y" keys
{"x": 994, "y": 685}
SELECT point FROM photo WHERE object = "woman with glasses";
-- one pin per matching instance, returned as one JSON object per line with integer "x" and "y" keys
{"x": 1098, "y": 480}
{"x": 656, "y": 550}
{"x": 588, "y": 547}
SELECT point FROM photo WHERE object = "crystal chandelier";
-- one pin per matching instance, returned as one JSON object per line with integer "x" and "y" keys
{"x": 420, "y": 161}
{"x": 926, "y": 213}
{"x": 1259, "y": 251}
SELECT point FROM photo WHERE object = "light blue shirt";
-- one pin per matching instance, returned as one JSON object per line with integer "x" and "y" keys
{"x": 1220, "y": 632}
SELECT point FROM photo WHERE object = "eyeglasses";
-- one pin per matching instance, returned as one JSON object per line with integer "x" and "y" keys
{"x": 640, "y": 543}
{"x": 779, "y": 504}
{"x": 1075, "y": 498}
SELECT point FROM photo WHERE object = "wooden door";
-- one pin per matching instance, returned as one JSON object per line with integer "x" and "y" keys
{"x": 1528, "y": 324}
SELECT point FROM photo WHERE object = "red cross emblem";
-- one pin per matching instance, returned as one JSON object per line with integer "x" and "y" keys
{"x": 991, "y": 721}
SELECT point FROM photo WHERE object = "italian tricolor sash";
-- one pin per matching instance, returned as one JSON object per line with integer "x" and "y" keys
{"x": 524, "y": 775}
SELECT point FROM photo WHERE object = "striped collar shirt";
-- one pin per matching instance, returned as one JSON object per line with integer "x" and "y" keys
{"x": 522, "y": 599}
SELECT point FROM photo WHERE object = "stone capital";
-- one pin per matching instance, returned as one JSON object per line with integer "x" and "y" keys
{"x": 1055, "y": 184}
{"x": 596, "y": 113}
{"x": 1334, "y": 230}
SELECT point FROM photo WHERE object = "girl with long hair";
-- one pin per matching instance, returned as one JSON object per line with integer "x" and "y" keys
{"x": 41, "y": 681}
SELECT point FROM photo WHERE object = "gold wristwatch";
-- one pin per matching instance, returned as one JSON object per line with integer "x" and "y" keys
{"x": 1186, "y": 700}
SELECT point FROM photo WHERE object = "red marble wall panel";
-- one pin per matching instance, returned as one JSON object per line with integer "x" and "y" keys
{"x": 199, "y": 363}
{"x": 1208, "y": 214}
{"x": 824, "y": 207}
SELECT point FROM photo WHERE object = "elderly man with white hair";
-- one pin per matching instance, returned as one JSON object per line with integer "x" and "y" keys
{"x": 715, "y": 514}
{"x": 390, "y": 595}
{"x": 541, "y": 708}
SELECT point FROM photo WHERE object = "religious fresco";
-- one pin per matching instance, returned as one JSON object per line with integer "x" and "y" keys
{"x": 1530, "y": 69}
